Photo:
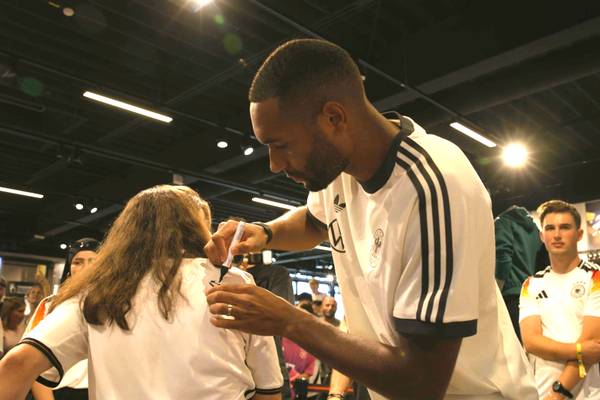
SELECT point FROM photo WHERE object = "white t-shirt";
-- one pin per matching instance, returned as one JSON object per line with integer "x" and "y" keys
{"x": 75, "y": 377}
{"x": 561, "y": 301}
{"x": 414, "y": 253}
{"x": 185, "y": 358}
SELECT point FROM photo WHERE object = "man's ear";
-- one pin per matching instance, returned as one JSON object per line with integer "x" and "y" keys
{"x": 335, "y": 116}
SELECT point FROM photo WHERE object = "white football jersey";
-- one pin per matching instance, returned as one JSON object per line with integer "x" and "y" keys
{"x": 414, "y": 254}
{"x": 561, "y": 301}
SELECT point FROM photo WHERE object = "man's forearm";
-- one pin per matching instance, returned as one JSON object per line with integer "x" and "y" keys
{"x": 569, "y": 377}
{"x": 398, "y": 373}
{"x": 294, "y": 231}
{"x": 549, "y": 349}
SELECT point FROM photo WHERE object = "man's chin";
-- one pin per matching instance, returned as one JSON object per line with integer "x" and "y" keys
{"x": 313, "y": 186}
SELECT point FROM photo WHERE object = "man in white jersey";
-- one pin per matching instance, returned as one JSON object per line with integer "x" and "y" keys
{"x": 560, "y": 311}
{"x": 411, "y": 231}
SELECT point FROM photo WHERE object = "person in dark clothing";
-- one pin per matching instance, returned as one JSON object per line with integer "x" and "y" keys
{"x": 276, "y": 279}
{"x": 519, "y": 254}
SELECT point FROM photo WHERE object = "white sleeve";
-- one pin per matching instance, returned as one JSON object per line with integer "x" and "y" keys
{"x": 528, "y": 305}
{"x": 316, "y": 211}
{"x": 592, "y": 303}
{"x": 261, "y": 358}
{"x": 62, "y": 338}
{"x": 447, "y": 245}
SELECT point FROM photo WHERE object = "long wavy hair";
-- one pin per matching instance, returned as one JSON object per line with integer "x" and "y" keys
{"x": 156, "y": 230}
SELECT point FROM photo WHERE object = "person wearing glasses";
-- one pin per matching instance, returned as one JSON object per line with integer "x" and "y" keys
{"x": 141, "y": 319}
{"x": 74, "y": 386}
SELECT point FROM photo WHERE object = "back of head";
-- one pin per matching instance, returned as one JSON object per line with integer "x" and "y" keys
{"x": 307, "y": 72}
{"x": 156, "y": 230}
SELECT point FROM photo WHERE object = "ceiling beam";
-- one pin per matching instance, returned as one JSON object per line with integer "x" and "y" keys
{"x": 490, "y": 65}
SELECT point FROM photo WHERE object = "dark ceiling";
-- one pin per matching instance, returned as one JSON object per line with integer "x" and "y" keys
{"x": 516, "y": 70}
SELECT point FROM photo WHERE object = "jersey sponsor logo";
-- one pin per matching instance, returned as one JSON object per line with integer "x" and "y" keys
{"x": 335, "y": 237}
{"x": 578, "y": 290}
{"x": 337, "y": 205}
{"x": 376, "y": 247}
{"x": 541, "y": 295}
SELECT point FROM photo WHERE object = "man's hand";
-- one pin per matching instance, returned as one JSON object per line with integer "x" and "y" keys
{"x": 590, "y": 350}
{"x": 255, "y": 309}
{"x": 253, "y": 240}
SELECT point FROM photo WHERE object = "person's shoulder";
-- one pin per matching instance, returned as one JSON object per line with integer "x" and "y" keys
{"x": 542, "y": 274}
{"x": 589, "y": 266}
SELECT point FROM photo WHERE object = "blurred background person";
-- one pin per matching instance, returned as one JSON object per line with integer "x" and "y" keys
{"x": 3, "y": 285}
{"x": 34, "y": 295}
{"x": 13, "y": 316}
{"x": 519, "y": 254}
{"x": 328, "y": 309}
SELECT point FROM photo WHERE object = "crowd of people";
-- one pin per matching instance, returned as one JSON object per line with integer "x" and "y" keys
{"x": 152, "y": 313}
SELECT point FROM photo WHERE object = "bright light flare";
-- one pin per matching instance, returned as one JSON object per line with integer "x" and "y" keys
{"x": 515, "y": 155}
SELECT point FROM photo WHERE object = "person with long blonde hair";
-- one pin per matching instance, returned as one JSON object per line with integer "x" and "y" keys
{"x": 140, "y": 316}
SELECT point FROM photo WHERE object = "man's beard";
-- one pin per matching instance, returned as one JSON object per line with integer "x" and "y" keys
{"x": 323, "y": 165}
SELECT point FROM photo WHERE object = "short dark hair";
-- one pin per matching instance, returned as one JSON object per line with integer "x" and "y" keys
{"x": 304, "y": 67}
{"x": 305, "y": 296}
{"x": 558, "y": 206}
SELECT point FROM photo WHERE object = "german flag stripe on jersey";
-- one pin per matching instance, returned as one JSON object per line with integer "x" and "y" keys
{"x": 525, "y": 288}
{"x": 595, "y": 281}
{"x": 39, "y": 315}
{"x": 434, "y": 216}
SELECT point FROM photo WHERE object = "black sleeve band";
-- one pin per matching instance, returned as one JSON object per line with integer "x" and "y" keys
{"x": 269, "y": 391}
{"x": 447, "y": 330}
{"x": 50, "y": 356}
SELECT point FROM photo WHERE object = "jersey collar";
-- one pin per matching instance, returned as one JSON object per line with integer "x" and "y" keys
{"x": 384, "y": 171}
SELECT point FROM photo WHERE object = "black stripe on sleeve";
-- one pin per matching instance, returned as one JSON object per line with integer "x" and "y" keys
{"x": 248, "y": 394}
{"x": 269, "y": 391}
{"x": 447, "y": 225}
{"x": 50, "y": 356}
{"x": 438, "y": 330}
{"x": 424, "y": 234}
{"x": 314, "y": 221}
{"x": 437, "y": 269}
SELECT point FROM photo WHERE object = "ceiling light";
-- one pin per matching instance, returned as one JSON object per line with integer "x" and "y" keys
{"x": 472, "y": 134}
{"x": 79, "y": 206}
{"x": 222, "y": 144}
{"x": 68, "y": 12}
{"x": 323, "y": 248}
{"x": 128, "y": 107}
{"x": 515, "y": 155}
{"x": 199, "y": 4}
{"x": 273, "y": 203}
{"x": 330, "y": 277}
{"x": 21, "y": 192}
{"x": 39, "y": 237}
{"x": 63, "y": 246}
{"x": 93, "y": 210}
{"x": 248, "y": 150}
